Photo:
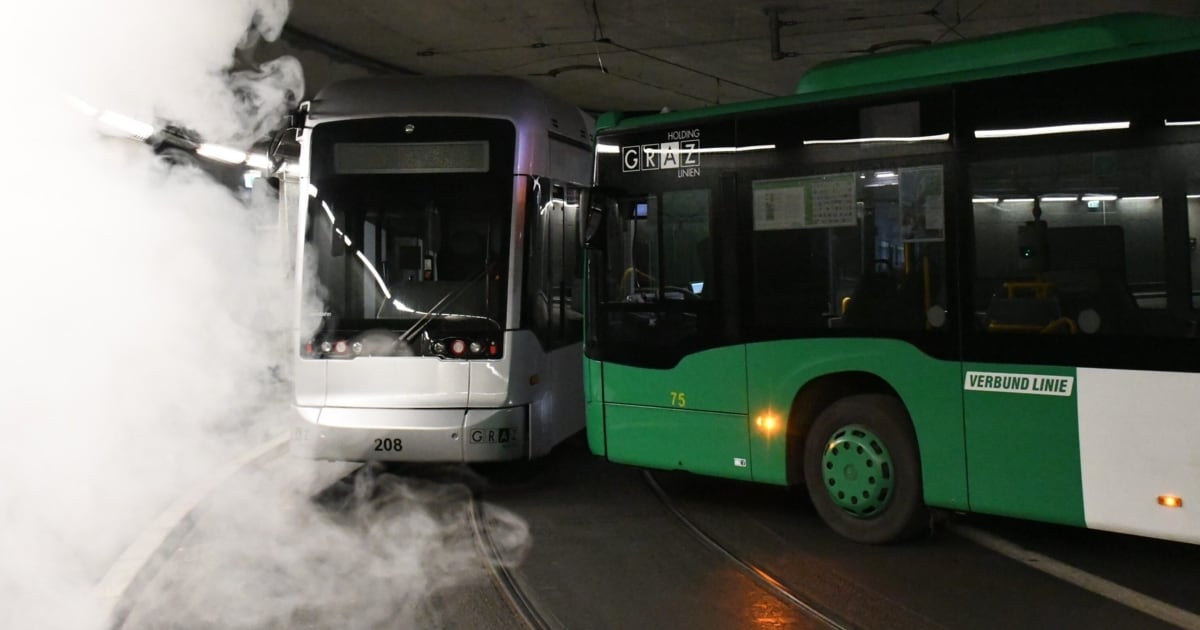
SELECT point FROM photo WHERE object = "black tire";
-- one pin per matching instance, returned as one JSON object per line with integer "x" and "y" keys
{"x": 873, "y": 450}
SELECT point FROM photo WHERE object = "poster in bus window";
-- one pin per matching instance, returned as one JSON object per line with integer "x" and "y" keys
{"x": 794, "y": 203}
{"x": 922, "y": 204}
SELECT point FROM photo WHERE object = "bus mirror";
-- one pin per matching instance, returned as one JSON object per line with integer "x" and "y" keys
{"x": 591, "y": 228}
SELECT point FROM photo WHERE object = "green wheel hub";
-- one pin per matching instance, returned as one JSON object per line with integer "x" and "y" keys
{"x": 858, "y": 471}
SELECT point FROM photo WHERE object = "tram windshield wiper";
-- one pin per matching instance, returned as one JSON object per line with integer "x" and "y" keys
{"x": 438, "y": 309}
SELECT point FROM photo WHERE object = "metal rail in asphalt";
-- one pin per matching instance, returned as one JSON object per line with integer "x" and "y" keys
{"x": 756, "y": 573}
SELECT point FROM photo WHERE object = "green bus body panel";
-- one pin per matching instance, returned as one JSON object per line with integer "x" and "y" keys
{"x": 1112, "y": 37}
{"x": 701, "y": 442}
{"x": 593, "y": 389}
{"x": 1023, "y": 449}
{"x": 1071, "y": 44}
{"x": 711, "y": 380}
{"x": 639, "y": 427}
{"x": 690, "y": 417}
{"x": 930, "y": 389}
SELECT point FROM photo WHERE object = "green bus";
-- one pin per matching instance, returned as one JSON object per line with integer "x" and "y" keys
{"x": 960, "y": 277}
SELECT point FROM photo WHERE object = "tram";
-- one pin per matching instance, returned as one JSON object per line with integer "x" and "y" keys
{"x": 438, "y": 280}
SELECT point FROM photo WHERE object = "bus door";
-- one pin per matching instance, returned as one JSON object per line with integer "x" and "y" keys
{"x": 674, "y": 393}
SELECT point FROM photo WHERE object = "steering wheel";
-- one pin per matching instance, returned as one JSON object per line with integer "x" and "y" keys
{"x": 687, "y": 293}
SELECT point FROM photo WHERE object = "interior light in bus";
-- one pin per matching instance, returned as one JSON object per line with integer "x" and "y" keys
{"x": 313, "y": 192}
{"x": 607, "y": 148}
{"x": 985, "y": 200}
{"x": 221, "y": 154}
{"x": 1140, "y": 198}
{"x": 882, "y": 174}
{"x": 402, "y": 307}
{"x": 1052, "y": 129}
{"x": 767, "y": 422}
{"x": 1099, "y": 198}
{"x": 940, "y": 137}
{"x": 1060, "y": 197}
{"x": 1193, "y": 196}
{"x": 1180, "y": 123}
{"x": 754, "y": 147}
{"x": 1018, "y": 200}
{"x": 328, "y": 212}
{"x": 1170, "y": 500}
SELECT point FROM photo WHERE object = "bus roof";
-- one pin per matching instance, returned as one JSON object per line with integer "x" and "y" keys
{"x": 1101, "y": 39}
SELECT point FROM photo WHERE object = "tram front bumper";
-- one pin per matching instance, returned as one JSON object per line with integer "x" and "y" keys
{"x": 411, "y": 435}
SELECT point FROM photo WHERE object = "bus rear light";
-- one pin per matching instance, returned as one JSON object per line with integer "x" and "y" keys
{"x": 308, "y": 349}
{"x": 458, "y": 347}
{"x": 340, "y": 347}
{"x": 326, "y": 347}
{"x": 476, "y": 347}
{"x": 492, "y": 349}
{"x": 1170, "y": 500}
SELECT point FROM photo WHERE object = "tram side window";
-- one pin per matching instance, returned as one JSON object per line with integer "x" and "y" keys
{"x": 554, "y": 271}
{"x": 861, "y": 250}
{"x": 1071, "y": 244}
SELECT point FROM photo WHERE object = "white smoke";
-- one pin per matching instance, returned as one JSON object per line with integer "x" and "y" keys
{"x": 143, "y": 310}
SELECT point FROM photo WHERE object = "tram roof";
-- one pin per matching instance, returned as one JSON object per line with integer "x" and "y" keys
{"x": 1090, "y": 41}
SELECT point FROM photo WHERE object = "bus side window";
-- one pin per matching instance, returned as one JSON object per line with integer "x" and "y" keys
{"x": 1095, "y": 264}
{"x": 870, "y": 257}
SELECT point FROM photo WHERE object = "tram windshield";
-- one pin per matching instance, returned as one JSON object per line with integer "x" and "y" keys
{"x": 404, "y": 236}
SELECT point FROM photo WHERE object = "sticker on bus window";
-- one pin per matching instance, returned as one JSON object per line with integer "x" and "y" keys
{"x": 797, "y": 203}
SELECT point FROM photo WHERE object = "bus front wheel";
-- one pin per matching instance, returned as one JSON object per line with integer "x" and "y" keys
{"x": 863, "y": 470}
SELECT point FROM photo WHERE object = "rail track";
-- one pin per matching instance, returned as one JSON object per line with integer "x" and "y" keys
{"x": 756, "y": 573}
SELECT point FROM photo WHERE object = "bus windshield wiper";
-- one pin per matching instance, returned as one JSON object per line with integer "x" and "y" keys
{"x": 437, "y": 310}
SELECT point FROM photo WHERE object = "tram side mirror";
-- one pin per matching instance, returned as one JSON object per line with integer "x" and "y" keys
{"x": 285, "y": 144}
{"x": 433, "y": 230}
{"x": 337, "y": 243}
